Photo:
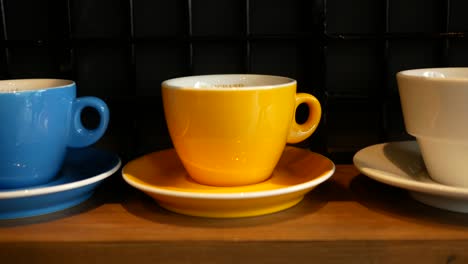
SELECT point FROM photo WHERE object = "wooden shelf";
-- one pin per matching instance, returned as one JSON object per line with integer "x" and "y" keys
{"x": 348, "y": 219}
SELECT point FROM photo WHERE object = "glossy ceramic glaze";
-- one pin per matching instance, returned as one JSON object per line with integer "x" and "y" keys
{"x": 39, "y": 119}
{"x": 400, "y": 164}
{"x": 230, "y": 130}
{"x": 162, "y": 176}
{"x": 83, "y": 170}
{"x": 435, "y": 110}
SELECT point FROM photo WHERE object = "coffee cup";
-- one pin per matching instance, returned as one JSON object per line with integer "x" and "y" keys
{"x": 231, "y": 130}
{"x": 39, "y": 119}
{"x": 435, "y": 110}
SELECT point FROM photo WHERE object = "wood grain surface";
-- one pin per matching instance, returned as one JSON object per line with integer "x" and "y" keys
{"x": 348, "y": 219}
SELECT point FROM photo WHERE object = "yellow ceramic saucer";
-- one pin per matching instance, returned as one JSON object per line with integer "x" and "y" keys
{"x": 162, "y": 176}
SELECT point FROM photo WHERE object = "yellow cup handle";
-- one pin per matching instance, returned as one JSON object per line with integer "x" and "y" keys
{"x": 300, "y": 132}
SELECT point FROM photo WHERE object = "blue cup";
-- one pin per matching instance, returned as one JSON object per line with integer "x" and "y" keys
{"x": 39, "y": 119}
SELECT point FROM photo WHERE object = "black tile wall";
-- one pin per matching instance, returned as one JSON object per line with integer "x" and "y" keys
{"x": 352, "y": 68}
{"x": 275, "y": 57}
{"x": 36, "y": 62}
{"x": 416, "y": 16}
{"x": 3, "y": 66}
{"x": 344, "y": 52}
{"x": 156, "y": 62}
{"x": 212, "y": 17}
{"x": 218, "y": 57}
{"x": 160, "y": 18}
{"x": 100, "y": 19}
{"x": 458, "y": 52}
{"x": 457, "y": 18}
{"x": 41, "y": 20}
{"x": 150, "y": 132}
{"x": 355, "y": 17}
{"x": 284, "y": 17}
{"x": 351, "y": 124}
{"x": 103, "y": 71}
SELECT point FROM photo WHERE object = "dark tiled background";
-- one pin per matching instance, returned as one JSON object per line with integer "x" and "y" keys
{"x": 344, "y": 52}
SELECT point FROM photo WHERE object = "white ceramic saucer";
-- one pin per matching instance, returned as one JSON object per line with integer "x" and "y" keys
{"x": 400, "y": 164}
{"x": 162, "y": 176}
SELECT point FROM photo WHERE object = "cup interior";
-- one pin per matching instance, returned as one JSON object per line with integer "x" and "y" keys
{"x": 22, "y": 85}
{"x": 451, "y": 74}
{"x": 228, "y": 82}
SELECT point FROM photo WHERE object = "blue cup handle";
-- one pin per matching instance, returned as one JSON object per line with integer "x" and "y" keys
{"x": 79, "y": 136}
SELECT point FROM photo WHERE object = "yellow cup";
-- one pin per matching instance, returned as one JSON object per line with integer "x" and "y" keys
{"x": 230, "y": 130}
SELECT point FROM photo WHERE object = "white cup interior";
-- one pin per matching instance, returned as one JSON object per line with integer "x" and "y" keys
{"x": 228, "y": 82}
{"x": 438, "y": 73}
{"x": 21, "y": 85}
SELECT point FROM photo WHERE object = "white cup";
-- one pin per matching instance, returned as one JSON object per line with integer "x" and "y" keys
{"x": 435, "y": 110}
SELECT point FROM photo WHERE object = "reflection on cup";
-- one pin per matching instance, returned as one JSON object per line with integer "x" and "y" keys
{"x": 39, "y": 119}
{"x": 232, "y": 129}
{"x": 435, "y": 110}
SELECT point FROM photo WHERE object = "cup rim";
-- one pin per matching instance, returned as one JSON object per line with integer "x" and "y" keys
{"x": 47, "y": 84}
{"x": 175, "y": 83}
{"x": 427, "y": 74}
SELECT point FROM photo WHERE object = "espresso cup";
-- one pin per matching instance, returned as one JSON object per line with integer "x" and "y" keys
{"x": 39, "y": 119}
{"x": 230, "y": 130}
{"x": 435, "y": 110}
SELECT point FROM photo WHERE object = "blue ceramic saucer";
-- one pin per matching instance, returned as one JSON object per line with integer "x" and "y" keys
{"x": 83, "y": 170}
